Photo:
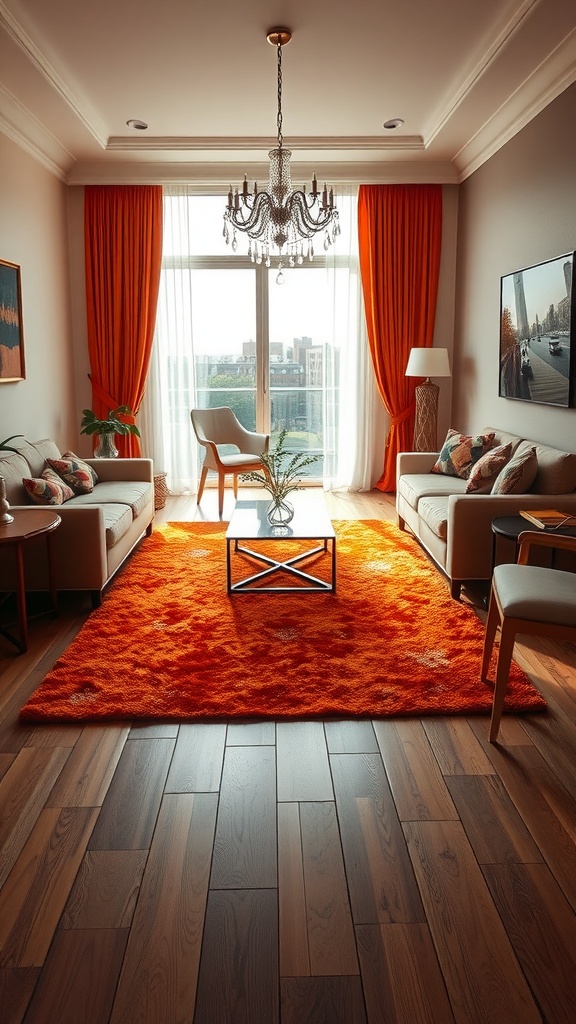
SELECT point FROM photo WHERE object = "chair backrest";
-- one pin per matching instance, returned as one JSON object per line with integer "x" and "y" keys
{"x": 219, "y": 425}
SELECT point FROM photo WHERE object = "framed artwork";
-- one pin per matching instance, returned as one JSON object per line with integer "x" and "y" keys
{"x": 537, "y": 331}
{"x": 11, "y": 337}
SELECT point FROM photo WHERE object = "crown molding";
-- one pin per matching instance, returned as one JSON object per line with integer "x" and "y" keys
{"x": 26, "y": 131}
{"x": 41, "y": 63}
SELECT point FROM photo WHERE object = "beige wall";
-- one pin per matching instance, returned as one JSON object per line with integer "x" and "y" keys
{"x": 517, "y": 210}
{"x": 33, "y": 234}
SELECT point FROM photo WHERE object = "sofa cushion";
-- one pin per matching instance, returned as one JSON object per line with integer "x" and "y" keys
{"x": 414, "y": 486}
{"x": 36, "y": 453}
{"x": 75, "y": 472}
{"x": 14, "y": 468}
{"x": 117, "y": 522}
{"x": 556, "y": 470}
{"x": 518, "y": 474}
{"x": 433, "y": 510}
{"x": 135, "y": 494}
{"x": 460, "y": 451}
{"x": 484, "y": 472}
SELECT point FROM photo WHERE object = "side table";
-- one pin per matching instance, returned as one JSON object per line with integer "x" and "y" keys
{"x": 511, "y": 527}
{"x": 28, "y": 523}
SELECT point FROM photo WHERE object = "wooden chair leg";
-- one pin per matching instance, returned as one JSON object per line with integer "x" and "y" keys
{"x": 235, "y": 485}
{"x": 492, "y": 623}
{"x": 203, "y": 476}
{"x": 507, "y": 638}
{"x": 221, "y": 479}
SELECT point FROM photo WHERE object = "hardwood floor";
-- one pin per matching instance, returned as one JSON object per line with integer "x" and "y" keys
{"x": 337, "y": 872}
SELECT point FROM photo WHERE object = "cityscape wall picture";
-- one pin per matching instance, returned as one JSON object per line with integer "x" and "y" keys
{"x": 537, "y": 327}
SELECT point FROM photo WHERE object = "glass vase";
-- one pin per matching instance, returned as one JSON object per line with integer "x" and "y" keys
{"x": 280, "y": 512}
{"x": 106, "y": 449}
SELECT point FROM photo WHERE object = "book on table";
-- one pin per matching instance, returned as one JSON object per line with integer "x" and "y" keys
{"x": 548, "y": 518}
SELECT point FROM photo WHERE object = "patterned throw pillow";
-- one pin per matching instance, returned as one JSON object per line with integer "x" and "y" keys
{"x": 74, "y": 472}
{"x": 485, "y": 471}
{"x": 91, "y": 470}
{"x": 52, "y": 477}
{"x": 460, "y": 452}
{"x": 44, "y": 492}
{"x": 518, "y": 475}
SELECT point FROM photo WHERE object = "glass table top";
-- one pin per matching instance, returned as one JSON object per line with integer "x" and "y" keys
{"x": 249, "y": 521}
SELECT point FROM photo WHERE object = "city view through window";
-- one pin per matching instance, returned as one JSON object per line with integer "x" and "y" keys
{"x": 269, "y": 351}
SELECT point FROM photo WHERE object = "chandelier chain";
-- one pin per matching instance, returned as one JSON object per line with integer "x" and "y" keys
{"x": 279, "y": 115}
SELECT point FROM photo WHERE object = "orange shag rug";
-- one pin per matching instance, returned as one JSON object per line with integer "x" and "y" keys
{"x": 169, "y": 643}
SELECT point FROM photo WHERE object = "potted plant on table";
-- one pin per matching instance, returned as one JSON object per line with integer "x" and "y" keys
{"x": 280, "y": 477}
{"x": 107, "y": 429}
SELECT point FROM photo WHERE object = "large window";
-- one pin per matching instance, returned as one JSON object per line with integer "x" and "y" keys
{"x": 227, "y": 334}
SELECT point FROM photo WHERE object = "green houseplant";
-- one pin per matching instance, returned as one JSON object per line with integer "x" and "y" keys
{"x": 107, "y": 429}
{"x": 280, "y": 477}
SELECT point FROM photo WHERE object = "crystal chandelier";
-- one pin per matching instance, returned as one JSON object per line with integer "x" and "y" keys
{"x": 280, "y": 218}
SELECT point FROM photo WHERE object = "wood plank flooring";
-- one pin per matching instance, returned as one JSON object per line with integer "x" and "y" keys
{"x": 338, "y": 872}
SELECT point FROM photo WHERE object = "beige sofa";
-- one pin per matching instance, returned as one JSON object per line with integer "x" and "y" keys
{"x": 98, "y": 530}
{"x": 455, "y": 528}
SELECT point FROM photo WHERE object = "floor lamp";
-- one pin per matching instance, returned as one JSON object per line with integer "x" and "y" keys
{"x": 427, "y": 362}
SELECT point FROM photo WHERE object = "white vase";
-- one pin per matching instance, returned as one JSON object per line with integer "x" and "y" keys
{"x": 5, "y": 517}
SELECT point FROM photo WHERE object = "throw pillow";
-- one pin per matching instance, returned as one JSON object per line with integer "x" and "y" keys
{"x": 485, "y": 471}
{"x": 91, "y": 470}
{"x": 460, "y": 452}
{"x": 44, "y": 492}
{"x": 518, "y": 475}
{"x": 50, "y": 475}
{"x": 74, "y": 472}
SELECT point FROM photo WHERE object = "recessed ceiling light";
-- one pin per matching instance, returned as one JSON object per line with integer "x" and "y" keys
{"x": 394, "y": 122}
{"x": 141, "y": 126}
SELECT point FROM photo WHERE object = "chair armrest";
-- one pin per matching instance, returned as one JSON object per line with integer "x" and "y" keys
{"x": 529, "y": 539}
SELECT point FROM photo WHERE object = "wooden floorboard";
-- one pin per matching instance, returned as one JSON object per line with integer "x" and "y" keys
{"x": 259, "y": 872}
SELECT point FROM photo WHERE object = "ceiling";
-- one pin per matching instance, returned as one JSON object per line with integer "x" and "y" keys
{"x": 464, "y": 75}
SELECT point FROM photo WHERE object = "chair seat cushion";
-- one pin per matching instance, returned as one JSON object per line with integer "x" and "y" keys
{"x": 536, "y": 594}
{"x": 239, "y": 459}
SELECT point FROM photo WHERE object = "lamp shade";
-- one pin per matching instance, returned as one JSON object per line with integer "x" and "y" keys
{"x": 428, "y": 362}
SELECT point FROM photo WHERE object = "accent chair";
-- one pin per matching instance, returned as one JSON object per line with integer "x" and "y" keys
{"x": 218, "y": 429}
{"x": 529, "y": 599}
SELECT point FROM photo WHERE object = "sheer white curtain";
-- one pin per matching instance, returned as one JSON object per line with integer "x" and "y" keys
{"x": 355, "y": 421}
{"x": 164, "y": 418}
{"x": 357, "y": 434}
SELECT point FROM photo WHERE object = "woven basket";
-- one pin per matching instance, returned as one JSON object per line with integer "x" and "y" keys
{"x": 160, "y": 490}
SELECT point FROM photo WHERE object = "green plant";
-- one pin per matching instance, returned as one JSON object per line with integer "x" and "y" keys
{"x": 282, "y": 467}
{"x": 5, "y": 447}
{"x": 111, "y": 425}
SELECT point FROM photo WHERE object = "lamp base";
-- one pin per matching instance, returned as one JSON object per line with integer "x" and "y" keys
{"x": 425, "y": 425}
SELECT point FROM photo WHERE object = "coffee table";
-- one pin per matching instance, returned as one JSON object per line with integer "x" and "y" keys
{"x": 310, "y": 533}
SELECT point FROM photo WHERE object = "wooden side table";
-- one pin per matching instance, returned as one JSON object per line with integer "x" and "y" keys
{"x": 29, "y": 523}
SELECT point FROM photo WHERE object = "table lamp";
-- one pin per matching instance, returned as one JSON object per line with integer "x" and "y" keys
{"x": 427, "y": 362}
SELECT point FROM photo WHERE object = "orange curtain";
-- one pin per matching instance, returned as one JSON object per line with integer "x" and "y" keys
{"x": 123, "y": 255}
{"x": 400, "y": 237}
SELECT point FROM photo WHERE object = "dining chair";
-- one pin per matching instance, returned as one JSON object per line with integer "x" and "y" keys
{"x": 219, "y": 428}
{"x": 533, "y": 600}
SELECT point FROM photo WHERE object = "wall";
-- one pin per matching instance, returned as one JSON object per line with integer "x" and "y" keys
{"x": 33, "y": 234}
{"x": 517, "y": 210}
